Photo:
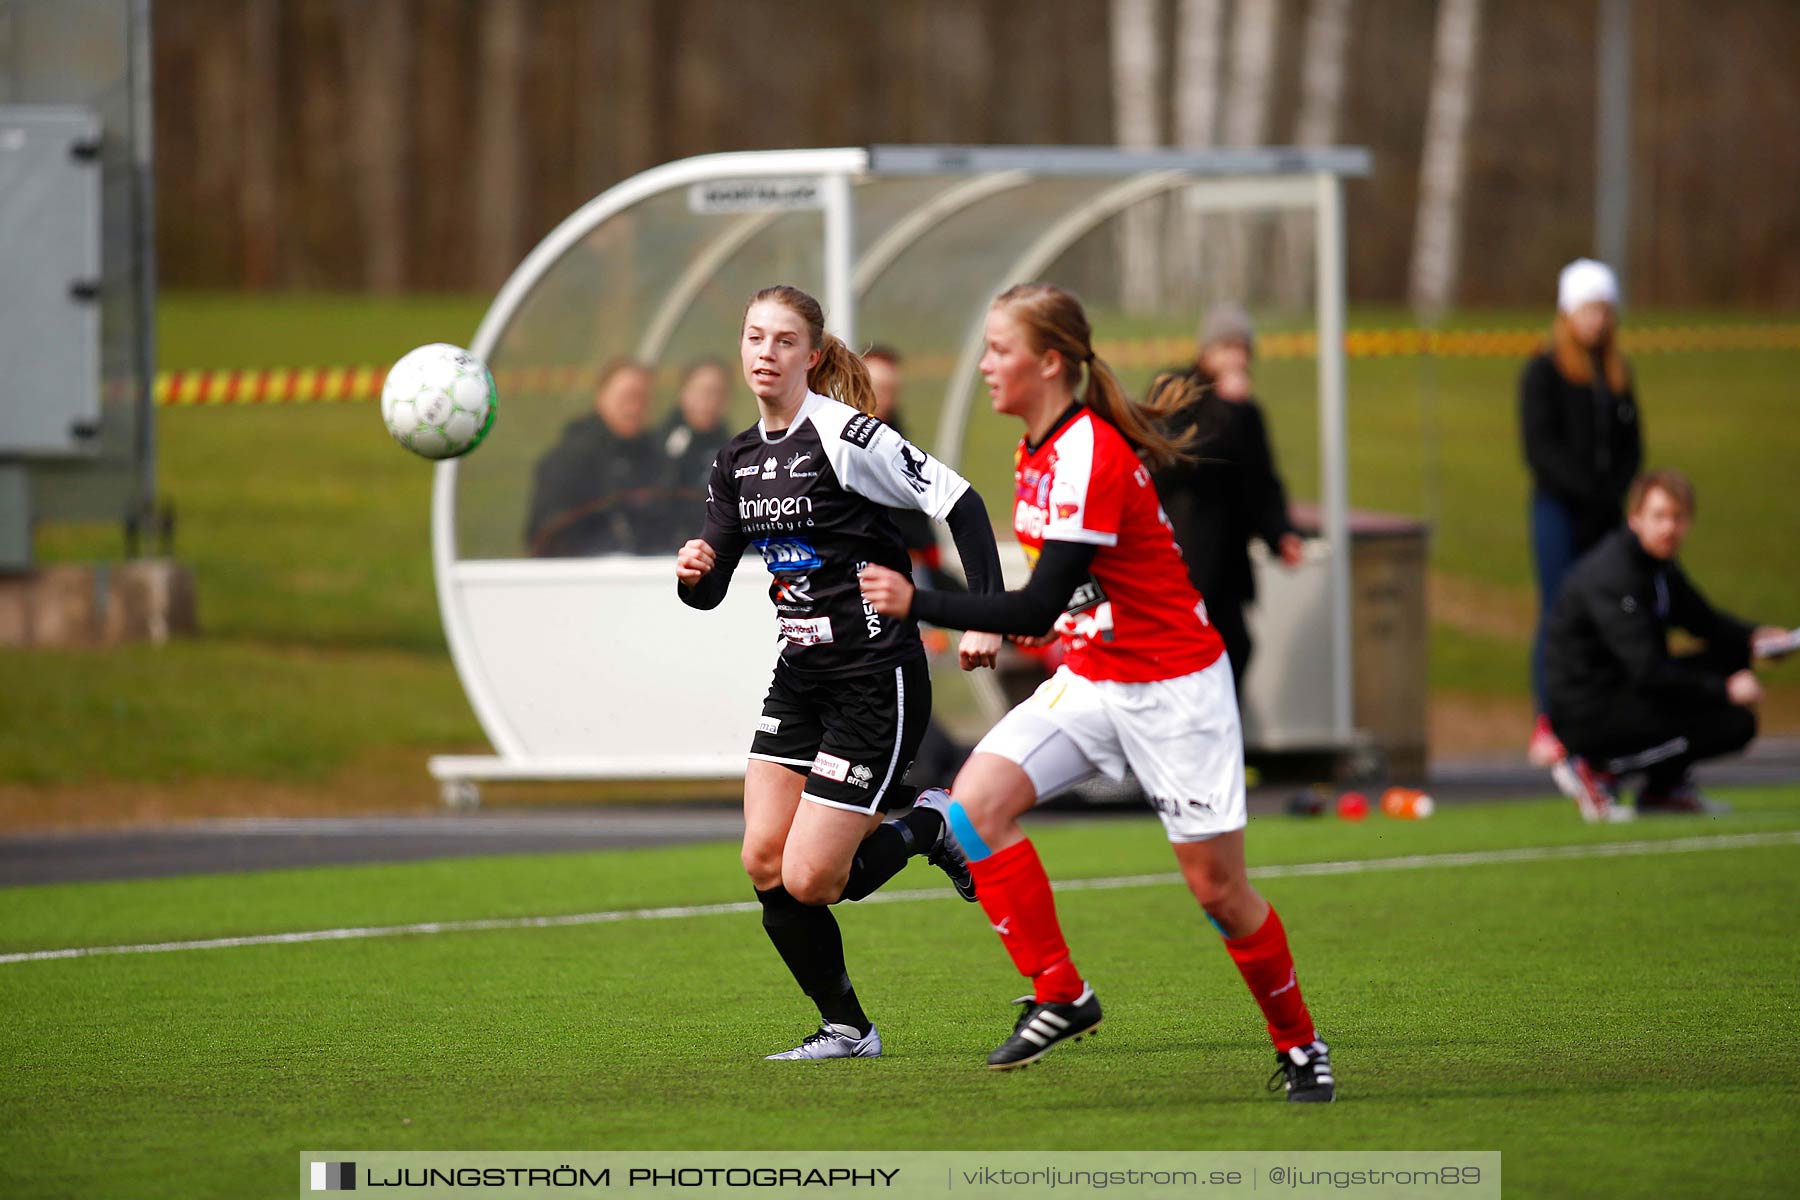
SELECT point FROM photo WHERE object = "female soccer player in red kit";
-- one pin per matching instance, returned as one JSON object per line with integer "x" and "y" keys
{"x": 1145, "y": 683}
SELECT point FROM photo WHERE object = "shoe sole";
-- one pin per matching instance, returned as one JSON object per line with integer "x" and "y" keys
{"x": 1022, "y": 1063}
{"x": 1311, "y": 1098}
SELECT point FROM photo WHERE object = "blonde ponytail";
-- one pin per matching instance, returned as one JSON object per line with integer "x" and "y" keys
{"x": 841, "y": 374}
{"x": 1053, "y": 319}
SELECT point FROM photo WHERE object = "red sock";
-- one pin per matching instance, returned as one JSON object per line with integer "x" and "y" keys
{"x": 1267, "y": 966}
{"x": 1015, "y": 894}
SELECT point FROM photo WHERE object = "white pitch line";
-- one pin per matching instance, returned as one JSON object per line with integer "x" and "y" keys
{"x": 1411, "y": 862}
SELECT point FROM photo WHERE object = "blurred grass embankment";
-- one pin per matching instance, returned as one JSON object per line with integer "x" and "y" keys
{"x": 322, "y": 664}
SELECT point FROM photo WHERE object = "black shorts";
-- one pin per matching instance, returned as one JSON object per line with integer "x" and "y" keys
{"x": 852, "y": 736}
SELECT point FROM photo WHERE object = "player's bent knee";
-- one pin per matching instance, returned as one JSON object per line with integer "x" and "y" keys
{"x": 993, "y": 792}
{"x": 762, "y": 866}
{"x": 816, "y": 887}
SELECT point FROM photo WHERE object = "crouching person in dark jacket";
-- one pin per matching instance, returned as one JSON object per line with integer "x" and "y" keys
{"x": 1620, "y": 702}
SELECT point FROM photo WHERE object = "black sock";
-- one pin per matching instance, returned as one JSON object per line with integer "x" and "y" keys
{"x": 924, "y": 824}
{"x": 806, "y": 936}
{"x": 878, "y": 859}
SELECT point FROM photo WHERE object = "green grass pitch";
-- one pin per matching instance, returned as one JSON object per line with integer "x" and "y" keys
{"x": 1614, "y": 1025}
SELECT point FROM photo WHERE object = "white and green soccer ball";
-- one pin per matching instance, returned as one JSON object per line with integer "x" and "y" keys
{"x": 439, "y": 401}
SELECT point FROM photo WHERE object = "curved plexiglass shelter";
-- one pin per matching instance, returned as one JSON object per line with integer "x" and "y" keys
{"x": 581, "y": 662}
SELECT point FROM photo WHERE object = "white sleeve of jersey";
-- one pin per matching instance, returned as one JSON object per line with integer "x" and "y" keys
{"x": 873, "y": 460}
{"x": 1073, "y": 515}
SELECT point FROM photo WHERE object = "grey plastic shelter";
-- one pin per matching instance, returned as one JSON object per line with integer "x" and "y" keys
{"x": 591, "y": 668}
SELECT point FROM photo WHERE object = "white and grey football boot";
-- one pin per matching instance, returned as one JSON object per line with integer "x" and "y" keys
{"x": 834, "y": 1041}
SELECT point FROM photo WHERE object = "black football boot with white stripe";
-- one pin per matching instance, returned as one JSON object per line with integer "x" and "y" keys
{"x": 1043, "y": 1026}
{"x": 1306, "y": 1073}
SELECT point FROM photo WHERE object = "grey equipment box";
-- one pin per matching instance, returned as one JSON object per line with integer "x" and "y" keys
{"x": 49, "y": 281}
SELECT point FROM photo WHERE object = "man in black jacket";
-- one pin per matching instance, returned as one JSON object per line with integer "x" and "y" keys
{"x": 1618, "y": 699}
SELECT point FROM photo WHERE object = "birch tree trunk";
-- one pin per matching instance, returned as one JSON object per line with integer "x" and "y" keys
{"x": 1252, "y": 71}
{"x": 1137, "y": 92}
{"x": 1322, "y": 72}
{"x": 1199, "y": 49}
{"x": 1253, "y": 34}
{"x": 1437, "y": 233}
{"x": 1321, "y": 102}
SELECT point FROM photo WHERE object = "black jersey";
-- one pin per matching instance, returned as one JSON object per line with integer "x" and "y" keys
{"x": 811, "y": 499}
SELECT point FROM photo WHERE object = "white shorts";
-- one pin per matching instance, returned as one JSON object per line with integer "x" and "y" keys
{"x": 1180, "y": 737}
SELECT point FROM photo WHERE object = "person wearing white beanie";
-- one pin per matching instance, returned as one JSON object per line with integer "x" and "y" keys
{"x": 1586, "y": 281}
{"x": 1583, "y": 445}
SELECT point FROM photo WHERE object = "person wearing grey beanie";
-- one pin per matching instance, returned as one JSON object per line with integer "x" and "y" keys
{"x": 1583, "y": 443}
{"x": 1233, "y": 493}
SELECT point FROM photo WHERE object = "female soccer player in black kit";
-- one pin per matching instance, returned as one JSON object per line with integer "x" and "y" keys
{"x": 807, "y": 485}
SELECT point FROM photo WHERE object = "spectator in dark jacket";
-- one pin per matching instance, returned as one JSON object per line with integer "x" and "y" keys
{"x": 1620, "y": 702}
{"x": 1583, "y": 444}
{"x": 692, "y": 435}
{"x": 602, "y": 489}
{"x": 1232, "y": 492}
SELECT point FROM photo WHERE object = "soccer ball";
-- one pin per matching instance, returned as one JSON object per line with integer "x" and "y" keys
{"x": 439, "y": 401}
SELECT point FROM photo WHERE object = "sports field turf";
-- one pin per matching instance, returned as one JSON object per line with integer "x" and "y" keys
{"x": 1615, "y": 1024}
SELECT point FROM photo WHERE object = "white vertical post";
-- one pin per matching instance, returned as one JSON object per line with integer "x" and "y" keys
{"x": 1334, "y": 443}
{"x": 840, "y": 254}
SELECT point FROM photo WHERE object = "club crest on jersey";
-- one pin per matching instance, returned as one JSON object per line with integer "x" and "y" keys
{"x": 912, "y": 467}
{"x": 793, "y": 467}
{"x": 788, "y": 555}
{"x": 861, "y": 429}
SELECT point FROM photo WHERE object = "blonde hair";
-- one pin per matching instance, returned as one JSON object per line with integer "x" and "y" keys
{"x": 1574, "y": 362}
{"x": 1053, "y": 319}
{"x": 839, "y": 373}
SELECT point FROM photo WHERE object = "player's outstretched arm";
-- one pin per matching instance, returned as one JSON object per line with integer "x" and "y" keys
{"x": 1030, "y": 611}
{"x": 975, "y": 544}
